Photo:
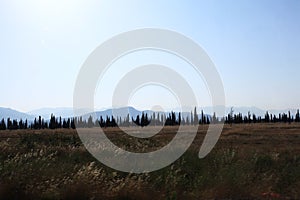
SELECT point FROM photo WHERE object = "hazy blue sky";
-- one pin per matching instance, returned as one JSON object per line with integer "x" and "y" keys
{"x": 255, "y": 46}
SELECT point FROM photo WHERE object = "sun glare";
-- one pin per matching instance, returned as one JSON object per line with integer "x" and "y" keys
{"x": 54, "y": 7}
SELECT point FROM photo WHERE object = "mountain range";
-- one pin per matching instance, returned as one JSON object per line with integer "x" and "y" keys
{"x": 14, "y": 114}
{"x": 66, "y": 112}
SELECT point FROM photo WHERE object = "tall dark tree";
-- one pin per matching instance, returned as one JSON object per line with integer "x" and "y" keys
{"x": 202, "y": 117}
{"x": 179, "y": 118}
{"x": 90, "y": 122}
{"x": 52, "y": 122}
{"x": 196, "y": 119}
{"x": 40, "y": 122}
{"x": 73, "y": 123}
{"x": 137, "y": 120}
{"x": 144, "y": 120}
{"x": 249, "y": 117}
{"x": 153, "y": 119}
{"x": 254, "y": 118}
{"x": 214, "y": 118}
{"x": 297, "y": 116}
{"x": 9, "y": 124}
{"x": 2, "y": 124}
{"x": 267, "y": 117}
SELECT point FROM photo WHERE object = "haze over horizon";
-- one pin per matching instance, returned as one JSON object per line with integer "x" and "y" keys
{"x": 254, "y": 45}
{"x": 207, "y": 109}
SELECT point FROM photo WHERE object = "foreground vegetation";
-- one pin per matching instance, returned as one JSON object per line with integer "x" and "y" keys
{"x": 255, "y": 161}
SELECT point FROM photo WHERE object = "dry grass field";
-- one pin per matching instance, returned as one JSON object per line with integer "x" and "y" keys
{"x": 250, "y": 161}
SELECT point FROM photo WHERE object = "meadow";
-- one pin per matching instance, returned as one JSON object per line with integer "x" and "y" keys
{"x": 250, "y": 161}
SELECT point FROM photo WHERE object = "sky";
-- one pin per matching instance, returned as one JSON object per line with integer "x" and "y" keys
{"x": 255, "y": 46}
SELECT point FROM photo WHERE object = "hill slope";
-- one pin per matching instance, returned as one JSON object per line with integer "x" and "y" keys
{"x": 14, "y": 114}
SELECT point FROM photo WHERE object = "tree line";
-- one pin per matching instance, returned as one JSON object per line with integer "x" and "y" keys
{"x": 156, "y": 119}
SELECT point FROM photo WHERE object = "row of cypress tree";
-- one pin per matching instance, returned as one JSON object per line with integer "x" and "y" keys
{"x": 172, "y": 119}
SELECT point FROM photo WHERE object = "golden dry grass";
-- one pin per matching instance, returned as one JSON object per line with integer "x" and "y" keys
{"x": 250, "y": 161}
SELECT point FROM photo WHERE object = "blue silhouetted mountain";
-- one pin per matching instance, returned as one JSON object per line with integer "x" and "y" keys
{"x": 122, "y": 112}
{"x": 14, "y": 114}
{"x": 118, "y": 112}
{"x": 46, "y": 112}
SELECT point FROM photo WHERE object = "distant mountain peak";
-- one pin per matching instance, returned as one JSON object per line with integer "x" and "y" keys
{"x": 14, "y": 114}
